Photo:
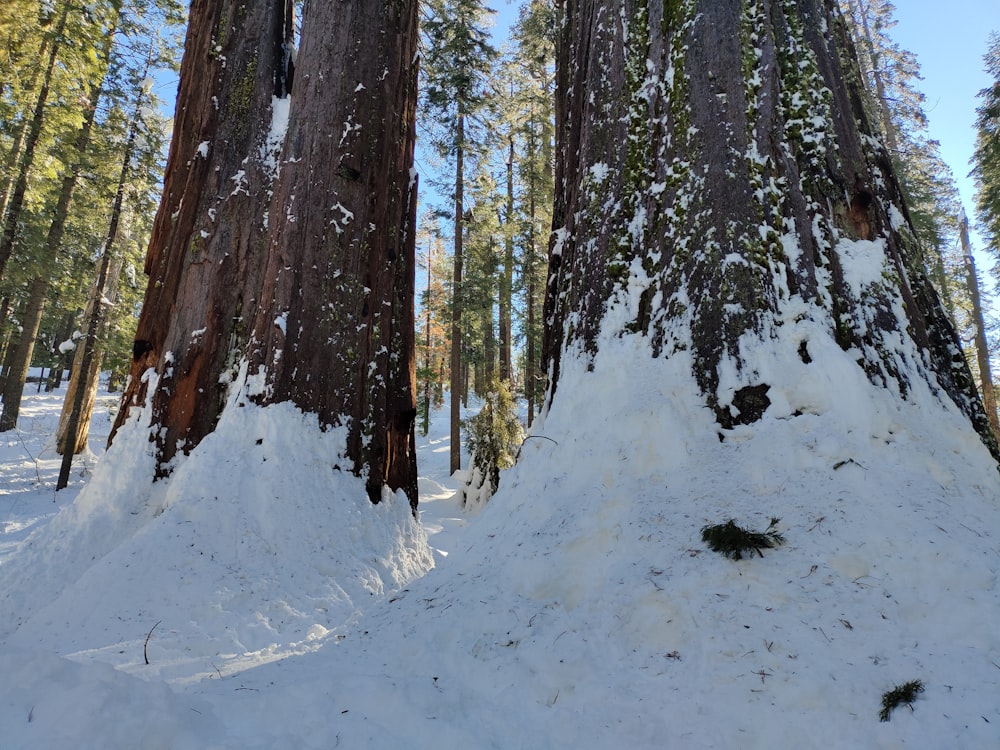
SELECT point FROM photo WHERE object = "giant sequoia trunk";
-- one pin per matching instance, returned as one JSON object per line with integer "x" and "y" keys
{"x": 719, "y": 180}
{"x": 335, "y": 332}
{"x": 209, "y": 238}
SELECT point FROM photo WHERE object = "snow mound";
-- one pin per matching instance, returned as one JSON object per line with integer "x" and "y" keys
{"x": 253, "y": 549}
{"x": 580, "y": 608}
{"x": 583, "y": 609}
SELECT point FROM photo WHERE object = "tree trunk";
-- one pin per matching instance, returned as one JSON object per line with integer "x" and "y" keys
{"x": 706, "y": 207}
{"x": 209, "y": 238}
{"x": 428, "y": 364}
{"x": 89, "y": 361}
{"x": 85, "y": 369}
{"x": 17, "y": 143}
{"x": 979, "y": 326}
{"x": 64, "y": 360}
{"x": 507, "y": 272}
{"x": 531, "y": 353}
{"x": 335, "y": 332}
{"x": 12, "y": 217}
{"x": 456, "y": 381}
{"x": 13, "y": 386}
{"x": 6, "y": 330}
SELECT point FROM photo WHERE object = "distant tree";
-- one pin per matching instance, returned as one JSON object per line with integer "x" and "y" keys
{"x": 534, "y": 61}
{"x": 493, "y": 437}
{"x": 716, "y": 166}
{"x": 980, "y": 344}
{"x": 433, "y": 322}
{"x": 457, "y": 62}
{"x": 986, "y": 160}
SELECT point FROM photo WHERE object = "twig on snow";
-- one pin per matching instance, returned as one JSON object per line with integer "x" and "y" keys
{"x": 145, "y": 646}
{"x": 34, "y": 460}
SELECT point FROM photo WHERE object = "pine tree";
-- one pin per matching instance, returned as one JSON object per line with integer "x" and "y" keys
{"x": 47, "y": 254}
{"x": 986, "y": 159}
{"x": 456, "y": 64}
{"x": 534, "y": 58}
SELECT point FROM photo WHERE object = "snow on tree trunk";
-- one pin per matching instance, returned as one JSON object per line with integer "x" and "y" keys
{"x": 718, "y": 181}
{"x": 335, "y": 334}
{"x": 209, "y": 238}
{"x": 89, "y": 379}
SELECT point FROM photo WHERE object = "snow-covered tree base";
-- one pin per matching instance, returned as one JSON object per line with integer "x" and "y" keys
{"x": 581, "y": 608}
{"x": 256, "y": 520}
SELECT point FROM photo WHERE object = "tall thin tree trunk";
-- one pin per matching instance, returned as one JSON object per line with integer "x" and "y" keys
{"x": 457, "y": 382}
{"x": 982, "y": 347}
{"x": 87, "y": 379}
{"x": 428, "y": 365}
{"x": 12, "y": 217}
{"x": 17, "y": 143}
{"x": 6, "y": 329}
{"x": 489, "y": 339}
{"x": 531, "y": 292}
{"x": 507, "y": 272}
{"x": 64, "y": 359}
{"x": 91, "y": 345}
{"x": 13, "y": 386}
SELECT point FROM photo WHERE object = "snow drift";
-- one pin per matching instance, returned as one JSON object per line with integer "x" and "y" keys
{"x": 579, "y": 609}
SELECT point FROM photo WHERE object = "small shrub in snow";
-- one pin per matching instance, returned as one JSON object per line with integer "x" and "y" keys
{"x": 899, "y": 695}
{"x": 733, "y": 540}
{"x": 492, "y": 438}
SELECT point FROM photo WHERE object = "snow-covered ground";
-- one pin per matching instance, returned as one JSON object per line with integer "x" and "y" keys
{"x": 255, "y": 601}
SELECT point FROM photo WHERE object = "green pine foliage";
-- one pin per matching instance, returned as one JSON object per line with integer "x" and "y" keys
{"x": 986, "y": 159}
{"x": 455, "y": 69}
{"x": 492, "y": 438}
{"x": 103, "y": 58}
{"x": 732, "y": 540}
{"x": 900, "y": 695}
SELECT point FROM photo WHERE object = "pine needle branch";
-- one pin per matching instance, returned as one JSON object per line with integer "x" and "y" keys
{"x": 899, "y": 695}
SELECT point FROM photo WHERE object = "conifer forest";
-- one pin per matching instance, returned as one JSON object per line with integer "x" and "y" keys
{"x": 536, "y": 374}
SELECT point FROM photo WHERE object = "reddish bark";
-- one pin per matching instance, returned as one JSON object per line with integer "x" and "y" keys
{"x": 207, "y": 247}
{"x": 335, "y": 334}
